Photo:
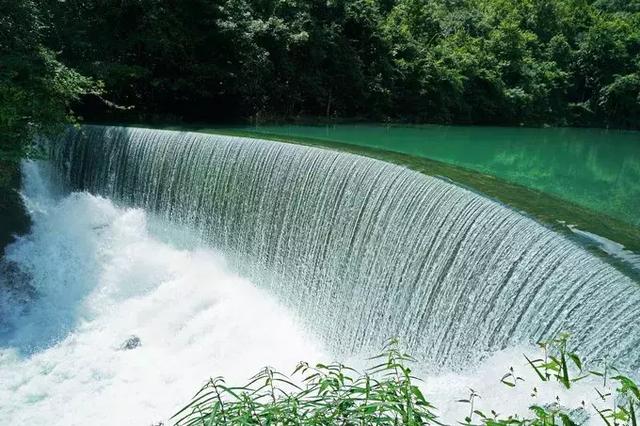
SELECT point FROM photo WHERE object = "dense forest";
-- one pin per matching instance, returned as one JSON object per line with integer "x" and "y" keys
{"x": 508, "y": 62}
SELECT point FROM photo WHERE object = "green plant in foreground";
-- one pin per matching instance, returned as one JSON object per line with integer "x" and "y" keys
{"x": 555, "y": 364}
{"x": 386, "y": 394}
{"x": 329, "y": 395}
{"x": 625, "y": 403}
{"x": 566, "y": 367}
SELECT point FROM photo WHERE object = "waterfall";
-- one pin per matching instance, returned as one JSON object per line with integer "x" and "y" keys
{"x": 363, "y": 250}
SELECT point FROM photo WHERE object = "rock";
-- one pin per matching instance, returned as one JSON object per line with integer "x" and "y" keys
{"x": 131, "y": 343}
{"x": 15, "y": 218}
{"x": 16, "y": 292}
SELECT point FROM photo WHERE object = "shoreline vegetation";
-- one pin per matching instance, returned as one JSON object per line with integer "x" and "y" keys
{"x": 465, "y": 62}
{"x": 476, "y": 62}
{"x": 387, "y": 393}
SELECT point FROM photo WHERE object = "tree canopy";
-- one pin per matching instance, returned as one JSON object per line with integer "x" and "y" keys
{"x": 557, "y": 62}
{"x": 36, "y": 90}
{"x": 507, "y": 62}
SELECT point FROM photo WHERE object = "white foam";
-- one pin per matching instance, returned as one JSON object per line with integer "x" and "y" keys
{"x": 446, "y": 390}
{"x": 610, "y": 247}
{"x": 100, "y": 277}
{"x": 101, "y": 274}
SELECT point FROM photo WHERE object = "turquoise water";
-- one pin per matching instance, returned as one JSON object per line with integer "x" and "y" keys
{"x": 597, "y": 169}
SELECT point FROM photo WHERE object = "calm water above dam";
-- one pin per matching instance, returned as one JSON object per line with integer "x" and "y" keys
{"x": 597, "y": 169}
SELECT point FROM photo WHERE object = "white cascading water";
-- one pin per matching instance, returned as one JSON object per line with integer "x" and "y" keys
{"x": 92, "y": 273}
{"x": 89, "y": 276}
{"x": 363, "y": 250}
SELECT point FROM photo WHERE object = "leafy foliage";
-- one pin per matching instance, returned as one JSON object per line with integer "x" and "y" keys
{"x": 563, "y": 62}
{"x": 555, "y": 364}
{"x": 387, "y": 394}
{"x": 559, "y": 62}
{"x": 330, "y": 394}
{"x": 36, "y": 90}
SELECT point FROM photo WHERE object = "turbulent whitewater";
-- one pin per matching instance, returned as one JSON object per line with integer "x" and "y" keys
{"x": 363, "y": 250}
{"x": 91, "y": 274}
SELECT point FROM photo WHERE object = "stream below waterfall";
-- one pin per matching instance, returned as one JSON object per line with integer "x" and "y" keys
{"x": 91, "y": 274}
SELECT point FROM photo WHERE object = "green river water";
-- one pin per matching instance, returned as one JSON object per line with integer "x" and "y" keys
{"x": 596, "y": 169}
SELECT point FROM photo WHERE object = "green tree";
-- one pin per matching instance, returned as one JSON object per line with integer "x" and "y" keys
{"x": 533, "y": 62}
{"x": 36, "y": 94}
{"x": 36, "y": 90}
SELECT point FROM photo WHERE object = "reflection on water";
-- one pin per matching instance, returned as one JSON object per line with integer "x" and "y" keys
{"x": 597, "y": 169}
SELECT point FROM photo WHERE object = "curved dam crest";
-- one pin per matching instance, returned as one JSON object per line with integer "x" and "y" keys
{"x": 364, "y": 250}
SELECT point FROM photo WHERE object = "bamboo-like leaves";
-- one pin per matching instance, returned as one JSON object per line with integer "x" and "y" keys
{"x": 386, "y": 394}
{"x": 324, "y": 394}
